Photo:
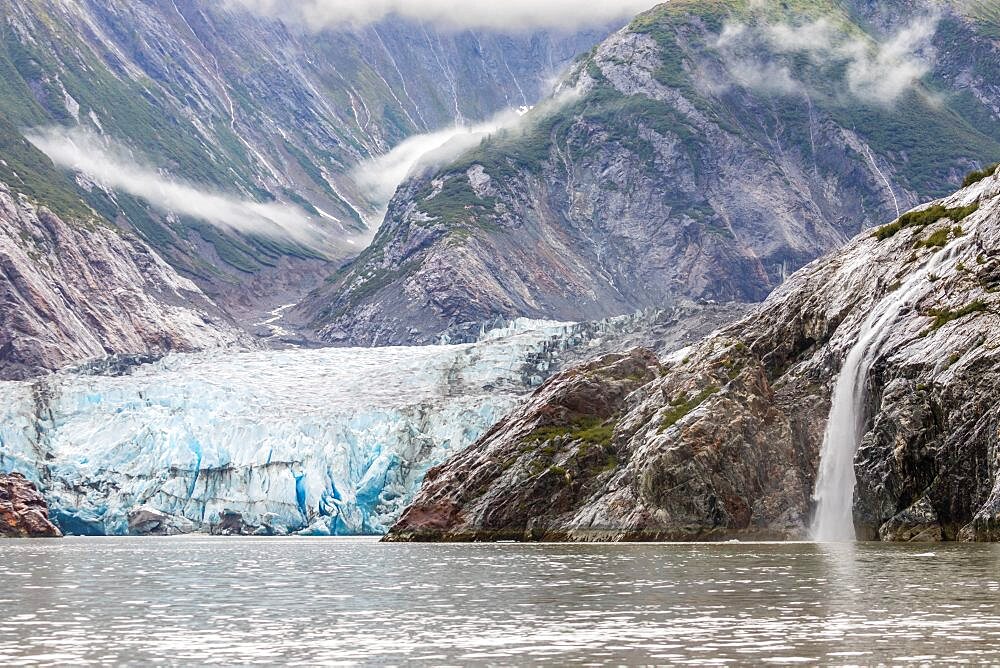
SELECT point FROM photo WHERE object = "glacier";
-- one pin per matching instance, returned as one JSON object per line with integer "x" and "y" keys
{"x": 331, "y": 441}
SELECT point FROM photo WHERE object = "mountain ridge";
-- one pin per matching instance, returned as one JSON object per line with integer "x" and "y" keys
{"x": 220, "y": 147}
{"x": 251, "y": 108}
{"x": 655, "y": 184}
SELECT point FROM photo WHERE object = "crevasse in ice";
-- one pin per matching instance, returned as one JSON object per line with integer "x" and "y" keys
{"x": 330, "y": 441}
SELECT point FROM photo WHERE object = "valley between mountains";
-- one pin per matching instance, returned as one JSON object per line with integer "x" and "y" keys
{"x": 721, "y": 269}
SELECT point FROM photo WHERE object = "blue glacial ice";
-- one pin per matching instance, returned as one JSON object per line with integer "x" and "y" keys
{"x": 325, "y": 442}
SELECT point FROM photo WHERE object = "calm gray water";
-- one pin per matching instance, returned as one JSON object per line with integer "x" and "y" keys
{"x": 304, "y": 601}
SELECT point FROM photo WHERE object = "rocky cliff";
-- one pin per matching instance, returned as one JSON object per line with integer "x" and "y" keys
{"x": 705, "y": 151}
{"x": 23, "y": 513}
{"x": 186, "y": 123}
{"x": 71, "y": 292}
{"x": 723, "y": 439}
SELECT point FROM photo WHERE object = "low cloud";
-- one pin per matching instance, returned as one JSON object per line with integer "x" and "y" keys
{"x": 897, "y": 65}
{"x": 506, "y": 15}
{"x": 110, "y": 167}
{"x": 379, "y": 177}
{"x": 878, "y": 72}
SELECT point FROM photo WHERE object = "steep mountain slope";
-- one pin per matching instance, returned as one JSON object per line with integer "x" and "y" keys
{"x": 254, "y": 109}
{"x": 74, "y": 288}
{"x": 896, "y": 337}
{"x": 703, "y": 152}
{"x": 71, "y": 292}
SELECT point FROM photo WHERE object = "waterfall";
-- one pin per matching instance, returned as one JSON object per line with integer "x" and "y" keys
{"x": 834, "y": 494}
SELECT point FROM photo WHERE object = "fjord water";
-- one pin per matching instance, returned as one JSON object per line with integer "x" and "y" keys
{"x": 307, "y": 601}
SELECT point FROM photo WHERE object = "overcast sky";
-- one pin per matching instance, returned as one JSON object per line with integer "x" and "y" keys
{"x": 504, "y": 15}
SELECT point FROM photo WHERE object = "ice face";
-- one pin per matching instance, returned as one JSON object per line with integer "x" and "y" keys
{"x": 331, "y": 441}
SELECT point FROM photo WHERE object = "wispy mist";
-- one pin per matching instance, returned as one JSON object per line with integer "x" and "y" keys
{"x": 378, "y": 178}
{"x": 878, "y": 72}
{"x": 506, "y": 15}
{"x": 110, "y": 167}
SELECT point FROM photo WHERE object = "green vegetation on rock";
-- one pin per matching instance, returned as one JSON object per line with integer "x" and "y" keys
{"x": 987, "y": 12}
{"x": 681, "y": 406}
{"x": 941, "y": 237}
{"x": 943, "y": 316}
{"x": 456, "y": 200}
{"x": 979, "y": 175}
{"x": 587, "y": 428}
{"x": 923, "y": 218}
{"x": 28, "y": 171}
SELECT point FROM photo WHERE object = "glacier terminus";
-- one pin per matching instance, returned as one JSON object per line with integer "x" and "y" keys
{"x": 331, "y": 441}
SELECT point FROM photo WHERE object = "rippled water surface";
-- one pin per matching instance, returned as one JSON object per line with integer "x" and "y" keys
{"x": 354, "y": 601}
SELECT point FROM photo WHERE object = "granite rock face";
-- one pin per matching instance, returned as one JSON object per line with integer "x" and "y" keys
{"x": 73, "y": 292}
{"x": 23, "y": 512}
{"x": 664, "y": 170}
{"x": 723, "y": 439}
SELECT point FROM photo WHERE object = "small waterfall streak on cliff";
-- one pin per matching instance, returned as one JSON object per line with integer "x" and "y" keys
{"x": 834, "y": 495}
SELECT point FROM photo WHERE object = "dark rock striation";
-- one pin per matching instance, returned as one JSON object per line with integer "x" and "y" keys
{"x": 23, "y": 512}
{"x": 722, "y": 439}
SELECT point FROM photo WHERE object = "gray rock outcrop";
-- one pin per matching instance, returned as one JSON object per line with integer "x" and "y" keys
{"x": 77, "y": 291}
{"x": 663, "y": 170}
